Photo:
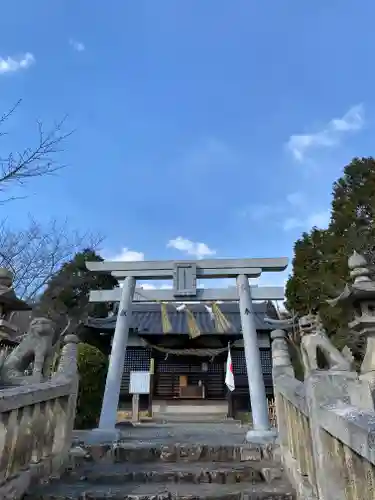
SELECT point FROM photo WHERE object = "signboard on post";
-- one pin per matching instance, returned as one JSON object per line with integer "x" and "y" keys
{"x": 139, "y": 382}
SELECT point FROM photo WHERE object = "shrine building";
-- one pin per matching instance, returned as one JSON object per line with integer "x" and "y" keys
{"x": 190, "y": 371}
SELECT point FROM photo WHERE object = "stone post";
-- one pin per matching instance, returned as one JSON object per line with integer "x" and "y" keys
{"x": 108, "y": 414}
{"x": 281, "y": 366}
{"x": 67, "y": 370}
{"x": 281, "y": 362}
{"x": 261, "y": 432}
{"x": 67, "y": 366}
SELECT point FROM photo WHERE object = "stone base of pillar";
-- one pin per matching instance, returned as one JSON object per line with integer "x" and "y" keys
{"x": 261, "y": 436}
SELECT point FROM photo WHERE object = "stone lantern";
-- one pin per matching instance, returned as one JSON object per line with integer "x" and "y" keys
{"x": 9, "y": 303}
{"x": 360, "y": 297}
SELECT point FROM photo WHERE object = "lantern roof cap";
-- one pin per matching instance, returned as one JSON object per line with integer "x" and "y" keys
{"x": 362, "y": 286}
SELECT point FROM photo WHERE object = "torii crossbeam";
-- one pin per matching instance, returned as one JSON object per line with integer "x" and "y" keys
{"x": 185, "y": 274}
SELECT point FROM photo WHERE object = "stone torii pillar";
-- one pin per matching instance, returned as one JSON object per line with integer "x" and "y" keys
{"x": 261, "y": 432}
{"x": 108, "y": 414}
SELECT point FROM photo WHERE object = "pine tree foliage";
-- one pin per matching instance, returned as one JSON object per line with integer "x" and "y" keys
{"x": 319, "y": 267}
{"x": 67, "y": 293}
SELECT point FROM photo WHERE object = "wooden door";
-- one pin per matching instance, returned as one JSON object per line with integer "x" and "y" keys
{"x": 183, "y": 381}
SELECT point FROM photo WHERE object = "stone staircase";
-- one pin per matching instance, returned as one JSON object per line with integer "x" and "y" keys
{"x": 178, "y": 471}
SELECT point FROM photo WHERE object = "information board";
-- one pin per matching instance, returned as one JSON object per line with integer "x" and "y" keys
{"x": 139, "y": 382}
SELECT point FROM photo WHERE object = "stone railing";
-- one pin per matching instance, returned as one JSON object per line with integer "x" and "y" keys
{"x": 36, "y": 424}
{"x": 326, "y": 429}
{"x": 327, "y": 422}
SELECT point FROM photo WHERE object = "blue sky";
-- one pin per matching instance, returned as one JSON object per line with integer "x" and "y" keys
{"x": 203, "y": 128}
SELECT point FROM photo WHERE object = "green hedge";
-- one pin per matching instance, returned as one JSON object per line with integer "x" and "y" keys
{"x": 92, "y": 368}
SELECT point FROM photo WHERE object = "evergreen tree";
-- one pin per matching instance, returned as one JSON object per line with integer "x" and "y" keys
{"x": 305, "y": 289}
{"x": 92, "y": 369}
{"x": 67, "y": 295}
{"x": 320, "y": 268}
{"x": 353, "y": 210}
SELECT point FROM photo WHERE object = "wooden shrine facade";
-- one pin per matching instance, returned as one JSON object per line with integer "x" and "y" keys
{"x": 187, "y": 376}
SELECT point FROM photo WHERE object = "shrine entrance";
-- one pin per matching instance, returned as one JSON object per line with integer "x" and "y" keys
{"x": 184, "y": 275}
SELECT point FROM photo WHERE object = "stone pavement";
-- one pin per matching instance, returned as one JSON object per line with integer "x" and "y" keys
{"x": 164, "y": 434}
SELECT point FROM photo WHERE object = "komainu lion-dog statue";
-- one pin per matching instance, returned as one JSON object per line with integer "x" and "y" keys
{"x": 314, "y": 337}
{"x": 36, "y": 347}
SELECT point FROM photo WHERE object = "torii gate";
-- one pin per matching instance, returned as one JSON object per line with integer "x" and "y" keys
{"x": 184, "y": 275}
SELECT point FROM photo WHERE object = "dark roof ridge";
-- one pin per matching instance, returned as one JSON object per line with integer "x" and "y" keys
{"x": 147, "y": 318}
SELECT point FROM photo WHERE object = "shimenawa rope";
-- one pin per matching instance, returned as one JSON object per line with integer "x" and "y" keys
{"x": 222, "y": 325}
{"x": 193, "y": 352}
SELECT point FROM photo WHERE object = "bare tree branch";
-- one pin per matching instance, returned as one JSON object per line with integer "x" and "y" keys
{"x": 8, "y": 113}
{"x": 36, "y": 253}
{"x": 36, "y": 161}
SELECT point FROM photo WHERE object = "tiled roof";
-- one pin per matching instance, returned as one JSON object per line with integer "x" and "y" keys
{"x": 146, "y": 318}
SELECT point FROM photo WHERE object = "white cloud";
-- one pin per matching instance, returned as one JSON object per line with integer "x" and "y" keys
{"x": 329, "y": 136}
{"x": 295, "y": 199}
{"x": 265, "y": 211}
{"x": 166, "y": 286}
{"x": 352, "y": 120}
{"x": 147, "y": 286}
{"x": 127, "y": 255}
{"x": 196, "y": 249}
{"x": 316, "y": 219}
{"x": 78, "y": 46}
{"x": 152, "y": 286}
{"x": 12, "y": 64}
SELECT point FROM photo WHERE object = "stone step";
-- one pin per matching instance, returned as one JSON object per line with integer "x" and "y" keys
{"x": 145, "y": 452}
{"x": 192, "y": 417}
{"x": 277, "y": 490}
{"x": 180, "y": 418}
{"x": 219, "y": 472}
